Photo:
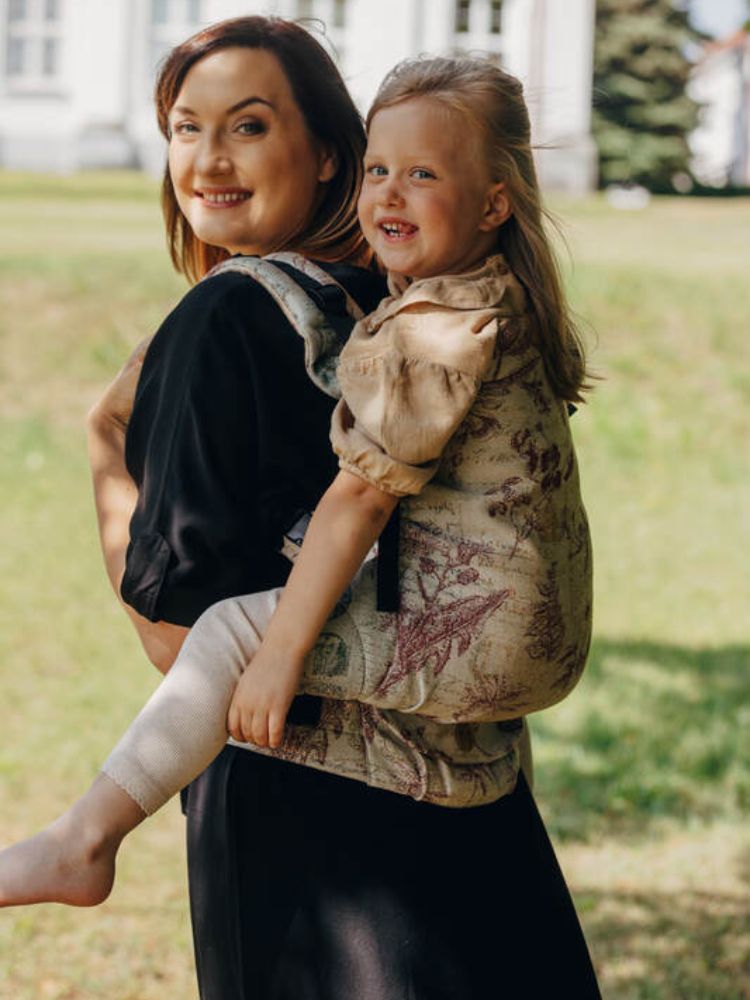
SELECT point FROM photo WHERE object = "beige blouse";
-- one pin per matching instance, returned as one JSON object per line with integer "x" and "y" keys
{"x": 411, "y": 371}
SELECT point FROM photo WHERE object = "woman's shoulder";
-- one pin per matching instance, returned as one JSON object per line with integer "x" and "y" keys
{"x": 226, "y": 314}
{"x": 230, "y": 318}
{"x": 229, "y": 298}
{"x": 221, "y": 296}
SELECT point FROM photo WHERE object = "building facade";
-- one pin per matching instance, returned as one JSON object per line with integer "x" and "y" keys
{"x": 721, "y": 83}
{"x": 76, "y": 76}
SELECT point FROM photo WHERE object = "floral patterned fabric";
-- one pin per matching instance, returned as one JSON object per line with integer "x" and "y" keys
{"x": 446, "y": 401}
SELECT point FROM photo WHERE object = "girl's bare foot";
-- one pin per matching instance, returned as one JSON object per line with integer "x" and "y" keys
{"x": 73, "y": 860}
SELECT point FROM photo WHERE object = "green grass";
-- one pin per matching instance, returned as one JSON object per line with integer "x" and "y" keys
{"x": 643, "y": 774}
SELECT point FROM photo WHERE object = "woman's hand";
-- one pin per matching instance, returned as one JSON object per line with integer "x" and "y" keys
{"x": 261, "y": 701}
{"x": 116, "y": 405}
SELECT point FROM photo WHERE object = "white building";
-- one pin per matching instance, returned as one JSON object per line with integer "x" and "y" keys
{"x": 76, "y": 76}
{"x": 721, "y": 82}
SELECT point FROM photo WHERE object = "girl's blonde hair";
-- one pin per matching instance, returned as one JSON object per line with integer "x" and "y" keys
{"x": 493, "y": 101}
{"x": 331, "y": 118}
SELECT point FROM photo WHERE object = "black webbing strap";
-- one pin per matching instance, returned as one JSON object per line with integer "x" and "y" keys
{"x": 387, "y": 574}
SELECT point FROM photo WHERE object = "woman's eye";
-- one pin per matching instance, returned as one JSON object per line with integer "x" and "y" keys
{"x": 422, "y": 175}
{"x": 249, "y": 128}
{"x": 184, "y": 128}
{"x": 376, "y": 170}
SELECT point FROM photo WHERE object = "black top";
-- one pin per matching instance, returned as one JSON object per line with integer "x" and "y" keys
{"x": 228, "y": 437}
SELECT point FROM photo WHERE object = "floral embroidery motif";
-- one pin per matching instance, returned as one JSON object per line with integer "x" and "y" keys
{"x": 489, "y": 690}
{"x": 441, "y": 625}
{"x": 547, "y": 628}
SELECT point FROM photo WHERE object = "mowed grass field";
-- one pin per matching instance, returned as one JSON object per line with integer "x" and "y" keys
{"x": 643, "y": 774}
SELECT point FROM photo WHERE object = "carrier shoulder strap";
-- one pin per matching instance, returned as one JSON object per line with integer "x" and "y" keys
{"x": 322, "y": 338}
{"x": 323, "y": 341}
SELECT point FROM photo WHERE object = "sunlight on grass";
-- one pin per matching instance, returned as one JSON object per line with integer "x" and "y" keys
{"x": 643, "y": 774}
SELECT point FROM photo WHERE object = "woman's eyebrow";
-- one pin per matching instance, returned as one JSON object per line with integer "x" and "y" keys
{"x": 250, "y": 100}
{"x": 181, "y": 109}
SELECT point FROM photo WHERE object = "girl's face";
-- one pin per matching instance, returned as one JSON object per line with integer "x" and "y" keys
{"x": 245, "y": 170}
{"x": 428, "y": 204}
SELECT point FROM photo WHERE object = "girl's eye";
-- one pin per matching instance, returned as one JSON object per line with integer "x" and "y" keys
{"x": 250, "y": 128}
{"x": 376, "y": 170}
{"x": 422, "y": 175}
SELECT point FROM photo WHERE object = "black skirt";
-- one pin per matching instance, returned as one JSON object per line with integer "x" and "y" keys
{"x": 307, "y": 886}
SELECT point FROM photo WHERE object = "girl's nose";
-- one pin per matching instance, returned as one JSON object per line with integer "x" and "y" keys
{"x": 391, "y": 191}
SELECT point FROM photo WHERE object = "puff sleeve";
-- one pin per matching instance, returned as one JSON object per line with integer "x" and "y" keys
{"x": 406, "y": 387}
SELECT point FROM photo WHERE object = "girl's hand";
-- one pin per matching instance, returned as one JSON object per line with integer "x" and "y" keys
{"x": 116, "y": 405}
{"x": 262, "y": 698}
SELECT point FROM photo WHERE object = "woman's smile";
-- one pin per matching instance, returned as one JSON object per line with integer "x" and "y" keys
{"x": 223, "y": 197}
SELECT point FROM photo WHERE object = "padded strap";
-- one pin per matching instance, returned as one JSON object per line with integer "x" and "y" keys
{"x": 323, "y": 341}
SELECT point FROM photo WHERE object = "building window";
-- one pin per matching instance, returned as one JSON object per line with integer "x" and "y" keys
{"x": 49, "y": 56}
{"x": 33, "y": 45}
{"x": 176, "y": 11}
{"x": 339, "y": 13}
{"x": 496, "y": 17}
{"x": 159, "y": 12}
{"x": 16, "y": 10}
{"x": 462, "y": 15}
{"x": 172, "y": 21}
{"x": 16, "y": 56}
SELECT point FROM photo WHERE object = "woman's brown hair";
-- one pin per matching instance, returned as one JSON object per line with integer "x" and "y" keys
{"x": 493, "y": 101}
{"x": 329, "y": 113}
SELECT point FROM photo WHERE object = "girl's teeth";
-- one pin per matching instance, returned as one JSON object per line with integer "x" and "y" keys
{"x": 392, "y": 229}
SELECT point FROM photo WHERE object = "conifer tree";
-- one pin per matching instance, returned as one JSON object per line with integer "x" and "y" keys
{"x": 642, "y": 113}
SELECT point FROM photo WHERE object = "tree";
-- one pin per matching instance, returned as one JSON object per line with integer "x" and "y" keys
{"x": 642, "y": 113}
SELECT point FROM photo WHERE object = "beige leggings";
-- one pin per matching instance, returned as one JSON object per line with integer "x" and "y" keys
{"x": 183, "y": 726}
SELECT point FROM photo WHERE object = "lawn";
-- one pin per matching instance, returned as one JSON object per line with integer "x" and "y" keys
{"x": 643, "y": 774}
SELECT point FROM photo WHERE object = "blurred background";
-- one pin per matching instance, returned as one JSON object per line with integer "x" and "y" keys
{"x": 641, "y": 114}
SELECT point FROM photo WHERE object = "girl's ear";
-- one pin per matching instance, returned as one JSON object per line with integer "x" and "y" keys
{"x": 497, "y": 208}
{"x": 329, "y": 164}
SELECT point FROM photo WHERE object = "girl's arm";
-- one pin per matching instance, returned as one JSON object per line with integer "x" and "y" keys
{"x": 115, "y": 496}
{"x": 346, "y": 523}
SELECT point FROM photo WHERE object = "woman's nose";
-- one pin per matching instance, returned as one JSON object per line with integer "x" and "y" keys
{"x": 211, "y": 156}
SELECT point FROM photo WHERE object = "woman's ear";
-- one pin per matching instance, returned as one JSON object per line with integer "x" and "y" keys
{"x": 497, "y": 208}
{"x": 329, "y": 164}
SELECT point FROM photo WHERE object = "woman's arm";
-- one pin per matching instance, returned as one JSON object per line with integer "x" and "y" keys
{"x": 345, "y": 525}
{"x": 115, "y": 496}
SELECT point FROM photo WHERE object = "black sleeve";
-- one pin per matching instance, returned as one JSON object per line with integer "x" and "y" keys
{"x": 227, "y": 431}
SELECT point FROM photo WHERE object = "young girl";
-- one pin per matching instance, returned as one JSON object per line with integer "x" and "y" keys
{"x": 455, "y": 396}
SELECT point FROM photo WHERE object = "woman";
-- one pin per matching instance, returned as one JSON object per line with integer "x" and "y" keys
{"x": 303, "y": 884}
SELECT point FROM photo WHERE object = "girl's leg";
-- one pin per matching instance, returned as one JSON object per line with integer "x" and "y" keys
{"x": 175, "y": 736}
{"x": 73, "y": 860}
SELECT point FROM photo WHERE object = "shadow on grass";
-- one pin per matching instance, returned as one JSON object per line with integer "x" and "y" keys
{"x": 656, "y": 731}
{"x": 658, "y": 945}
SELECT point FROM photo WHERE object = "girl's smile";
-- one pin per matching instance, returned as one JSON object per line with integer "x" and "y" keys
{"x": 397, "y": 230}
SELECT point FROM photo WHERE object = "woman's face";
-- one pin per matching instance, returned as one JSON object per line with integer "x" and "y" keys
{"x": 245, "y": 170}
